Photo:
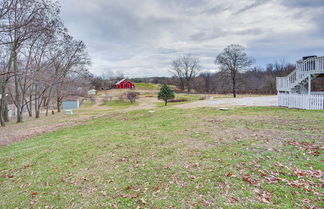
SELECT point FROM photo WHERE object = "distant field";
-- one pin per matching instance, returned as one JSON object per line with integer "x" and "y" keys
{"x": 147, "y": 86}
{"x": 118, "y": 104}
{"x": 181, "y": 158}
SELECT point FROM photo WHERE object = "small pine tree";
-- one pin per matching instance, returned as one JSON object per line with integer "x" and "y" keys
{"x": 165, "y": 94}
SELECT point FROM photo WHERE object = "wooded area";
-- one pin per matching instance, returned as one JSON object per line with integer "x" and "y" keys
{"x": 254, "y": 80}
{"x": 40, "y": 63}
{"x": 233, "y": 74}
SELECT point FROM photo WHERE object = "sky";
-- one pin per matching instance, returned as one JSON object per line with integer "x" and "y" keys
{"x": 140, "y": 38}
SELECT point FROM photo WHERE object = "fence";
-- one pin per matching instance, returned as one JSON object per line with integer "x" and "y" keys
{"x": 302, "y": 101}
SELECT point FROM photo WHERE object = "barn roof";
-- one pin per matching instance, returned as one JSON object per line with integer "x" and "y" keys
{"x": 120, "y": 81}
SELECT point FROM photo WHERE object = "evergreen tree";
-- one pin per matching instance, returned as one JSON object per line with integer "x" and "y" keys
{"x": 166, "y": 93}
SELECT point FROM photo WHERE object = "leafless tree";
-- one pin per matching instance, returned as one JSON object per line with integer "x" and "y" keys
{"x": 132, "y": 96}
{"x": 185, "y": 69}
{"x": 39, "y": 60}
{"x": 72, "y": 58}
{"x": 23, "y": 20}
{"x": 232, "y": 61}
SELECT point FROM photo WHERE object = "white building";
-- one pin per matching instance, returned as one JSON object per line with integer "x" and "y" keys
{"x": 92, "y": 92}
{"x": 295, "y": 90}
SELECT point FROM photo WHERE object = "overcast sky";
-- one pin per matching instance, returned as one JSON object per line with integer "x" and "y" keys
{"x": 142, "y": 37}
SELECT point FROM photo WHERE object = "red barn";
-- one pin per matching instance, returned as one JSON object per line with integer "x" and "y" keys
{"x": 124, "y": 84}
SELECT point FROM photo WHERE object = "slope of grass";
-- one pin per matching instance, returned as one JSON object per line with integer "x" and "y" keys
{"x": 201, "y": 158}
{"x": 147, "y": 86}
{"x": 88, "y": 103}
{"x": 119, "y": 104}
{"x": 183, "y": 98}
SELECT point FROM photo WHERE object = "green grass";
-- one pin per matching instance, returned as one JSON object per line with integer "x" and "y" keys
{"x": 88, "y": 103}
{"x": 181, "y": 158}
{"x": 186, "y": 97}
{"x": 190, "y": 97}
{"x": 147, "y": 86}
{"x": 161, "y": 104}
{"x": 119, "y": 104}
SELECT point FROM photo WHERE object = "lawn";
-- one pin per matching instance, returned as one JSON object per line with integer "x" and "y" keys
{"x": 147, "y": 86}
{"x": 181, "y": 158}
{"x": 119, "y": 104}
{"x": 183, "y": 98}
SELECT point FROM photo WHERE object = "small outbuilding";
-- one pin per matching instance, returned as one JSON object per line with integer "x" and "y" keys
{"x": 92, "y": 92}
{"x": 71, "y": 104}
{"x": 124, "y": 84}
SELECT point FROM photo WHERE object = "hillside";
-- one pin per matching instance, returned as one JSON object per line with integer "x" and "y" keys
{"x": 244, "y": 158}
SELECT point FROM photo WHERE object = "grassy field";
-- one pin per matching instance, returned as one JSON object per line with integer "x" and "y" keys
{"x": 182, "y": 158}
{"x": 119, "y": 104}
{"x": 185, "y": 97}
{"x": 147, "y": 86}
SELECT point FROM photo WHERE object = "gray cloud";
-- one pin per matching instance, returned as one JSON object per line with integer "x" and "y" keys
{"x": 254, "y": 4}
{"x": 140, "y": 38}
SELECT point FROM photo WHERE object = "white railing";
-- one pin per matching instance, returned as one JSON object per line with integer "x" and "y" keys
{"x": 302, "y": 101}
{"x": 304, "y": 68}
{"x": 282, "y": 83}
{"x": 311, "y": 65}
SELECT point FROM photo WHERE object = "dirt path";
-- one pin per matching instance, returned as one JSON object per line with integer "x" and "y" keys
{"x": 246, "y": 101}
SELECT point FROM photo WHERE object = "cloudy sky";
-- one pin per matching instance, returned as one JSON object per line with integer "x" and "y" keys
{"x": 142, "y": 37}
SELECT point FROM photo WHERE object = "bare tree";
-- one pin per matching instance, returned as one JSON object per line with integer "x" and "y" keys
{"x": 23, "y": 20}
{"x": 4, "y": 80}
{"x": 132, "y": 96}
{"x": 232, "y": 61}
{"x": 207, "y": 78}
{"x": 71, "y": 57}
{"x": 185, "y": 69}
{"x": 39, "y": 60}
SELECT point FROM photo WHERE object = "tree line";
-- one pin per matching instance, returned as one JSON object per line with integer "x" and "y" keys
{"x": 235, "y": 74}
{"x": 40, "y": 62}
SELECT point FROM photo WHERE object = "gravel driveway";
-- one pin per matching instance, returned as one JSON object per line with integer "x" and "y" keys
{"x": 246, "y": 101}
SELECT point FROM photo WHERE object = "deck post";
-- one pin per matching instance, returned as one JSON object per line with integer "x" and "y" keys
{"x": 309, "y": 90}
{"x": 309, "y": 84}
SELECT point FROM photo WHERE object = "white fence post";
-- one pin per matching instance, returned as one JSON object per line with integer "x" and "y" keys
{"x": 302, "y": 101}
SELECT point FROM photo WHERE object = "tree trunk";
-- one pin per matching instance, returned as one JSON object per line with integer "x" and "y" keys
{"x": 37, "y": 108}
{"x": 48, "y": 100}
{"x": 6, "y": 112}
{"x": 37, "y": 114}
{"x": 29, "y": 105}
{"x": 29, "y": 108}
{"x": 165, "y": 102}
{"x": 58, "y": 104}
{"x": 234, "y": 87}
{"x": 39, "y": 102}
{"x": 2, "y": 121}
{"x": 4, "y": 117}
{"x": 17, "y": 91}
{"x": 182, "y": 84}
{"x": 47, "y": 108}
{"x": 47, "y": 105}
{"x": 36, "y": 102}
{"x": 2, "y": 105}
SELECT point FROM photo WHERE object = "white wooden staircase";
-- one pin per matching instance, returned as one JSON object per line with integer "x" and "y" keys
{"x": 296, "y": 81}
{"x": 294, "y": 90}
